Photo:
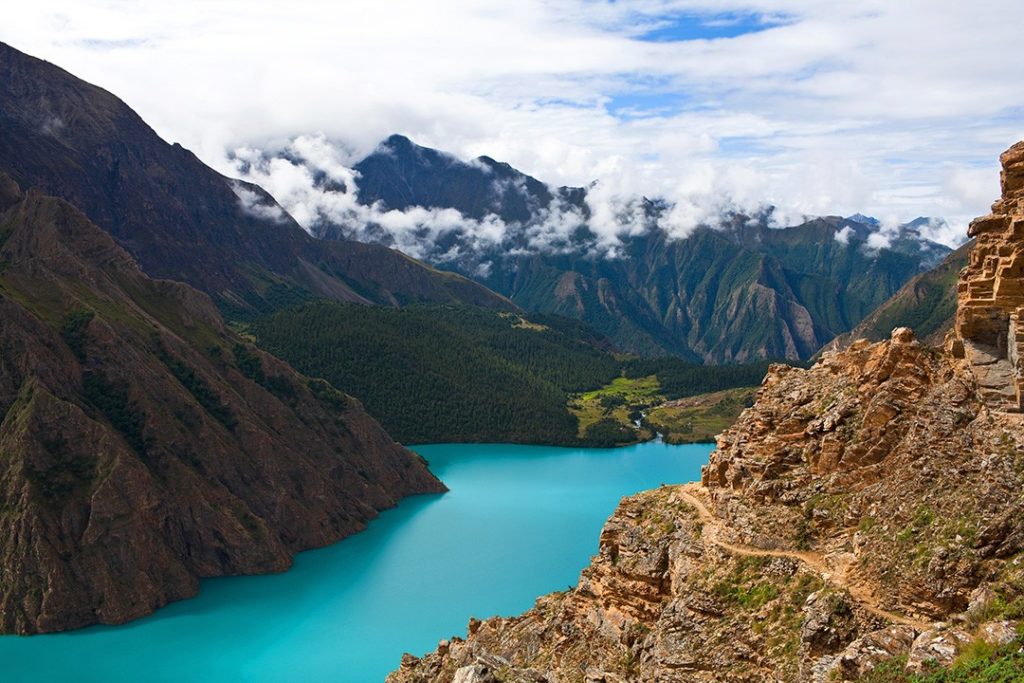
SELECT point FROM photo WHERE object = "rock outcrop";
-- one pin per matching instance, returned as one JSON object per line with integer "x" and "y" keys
{"x": 866, "y": 511}
{"x": 990, "y": 312}
{"x": 143, "y": 445}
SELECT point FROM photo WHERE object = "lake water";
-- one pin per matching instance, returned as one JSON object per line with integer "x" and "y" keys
{"x": 519, "y": 521}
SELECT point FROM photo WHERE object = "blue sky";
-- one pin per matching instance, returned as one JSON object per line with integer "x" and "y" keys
{"x": 673, "y": 27}
{"x": 895, "y": 109}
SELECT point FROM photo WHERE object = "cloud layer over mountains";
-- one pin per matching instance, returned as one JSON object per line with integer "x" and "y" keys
{"x": 896, "y": 109}
{"x": 317, "y": 182}
{"x": 314, "y": 181}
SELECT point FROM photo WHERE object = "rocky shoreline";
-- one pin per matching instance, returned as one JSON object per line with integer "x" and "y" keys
{"x": 863, "y": 513}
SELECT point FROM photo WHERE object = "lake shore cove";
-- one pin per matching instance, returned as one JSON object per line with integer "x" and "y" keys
{"x": 863, "y": 521}
{"x": 519, "y": 521}
{"x": 834, "y": 530}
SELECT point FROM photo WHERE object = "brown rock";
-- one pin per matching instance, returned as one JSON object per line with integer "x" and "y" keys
{"x": 828, "y": 623}
{"x": 936, "y": 648}
{"x": 903, "y": 335}
{"x": 866, "y": 653}
{"x": 990, "y": 306}
{"x": 998, "y": 632}
{"x": 1011, "y": 178}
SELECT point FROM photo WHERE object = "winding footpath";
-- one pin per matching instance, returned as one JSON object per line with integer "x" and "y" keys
{"x": 712, "y": 528}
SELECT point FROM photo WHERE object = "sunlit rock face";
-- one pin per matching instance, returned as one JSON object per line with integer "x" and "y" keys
{"x": 990, "y": 319}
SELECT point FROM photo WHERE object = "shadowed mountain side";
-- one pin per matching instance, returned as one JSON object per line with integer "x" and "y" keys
{"x": 145, "y": 445}
{"x": 179, "y": 218}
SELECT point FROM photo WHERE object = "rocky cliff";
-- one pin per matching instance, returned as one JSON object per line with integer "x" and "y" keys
{"x": 990, "y": 312}
{"x": 863, "y": 518}
{"x": 143, "y": 445}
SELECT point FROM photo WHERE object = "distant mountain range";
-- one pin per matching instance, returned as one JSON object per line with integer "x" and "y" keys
{"x": 926, "y": 304}
{"x": 735, "y": 292}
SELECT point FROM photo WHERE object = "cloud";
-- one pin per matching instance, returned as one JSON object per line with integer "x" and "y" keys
{"x": 878, "y": 240}
{"x": 313, "y": 180}
{"x": 52, "y": 125}
{"x": 887, "y": 108}
{"x": 256, "y": 205}
{"x": 843, "y": 236}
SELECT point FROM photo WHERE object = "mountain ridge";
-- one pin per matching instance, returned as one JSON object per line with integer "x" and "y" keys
{"x": 145, "y": 442}
{"x": 796, "y": 287}
{"x": 179, "y": 218}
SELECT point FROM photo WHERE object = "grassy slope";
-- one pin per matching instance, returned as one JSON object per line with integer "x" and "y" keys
{"x": 617, "y": 401}
{"x": 699, "y": 419}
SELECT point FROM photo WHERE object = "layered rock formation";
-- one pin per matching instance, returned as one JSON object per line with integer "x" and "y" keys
{"x": 864, "y": 512}
{"x": 990, "y": 314}
{"x": 143, "y": 445}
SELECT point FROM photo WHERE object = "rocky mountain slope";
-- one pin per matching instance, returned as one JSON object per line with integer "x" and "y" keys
{"x": 862, "y": 521}
{"x": 179, "y": 218}
{"x": 739, "y": 293}
{"x": 146, "y": 446}
{"x": 927, "y": 304}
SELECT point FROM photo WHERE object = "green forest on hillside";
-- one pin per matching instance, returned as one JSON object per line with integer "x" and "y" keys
{"x": 679, "y": 378}
{"x": 456, "y": 373}
{"x": 445, "y": 373}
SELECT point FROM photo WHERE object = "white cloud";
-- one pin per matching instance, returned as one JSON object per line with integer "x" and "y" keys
{"x": 880, "y": 107}
{"x": 843, "y": 236}
{"x": 253, "y": 203}
{"x": 288, "y": 175}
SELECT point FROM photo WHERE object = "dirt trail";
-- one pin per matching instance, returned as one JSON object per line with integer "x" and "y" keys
{"x": 840, "y": 577}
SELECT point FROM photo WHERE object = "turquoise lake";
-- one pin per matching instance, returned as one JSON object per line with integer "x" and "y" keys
{"x": 519, "y": 521}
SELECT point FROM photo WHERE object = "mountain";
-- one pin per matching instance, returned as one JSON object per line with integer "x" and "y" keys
{"x": 862, "y": 521}
{"x": 455, "y": 373}
{"x": 741, "y": 292}
{"x": 447, "y": 373}
{"x": 401, "y": 175}
{"x": 927, "y": 303}
{"x": 866, "y": 220}
{"x": 145, "y": 445}
{"x": 179, "y": 218}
